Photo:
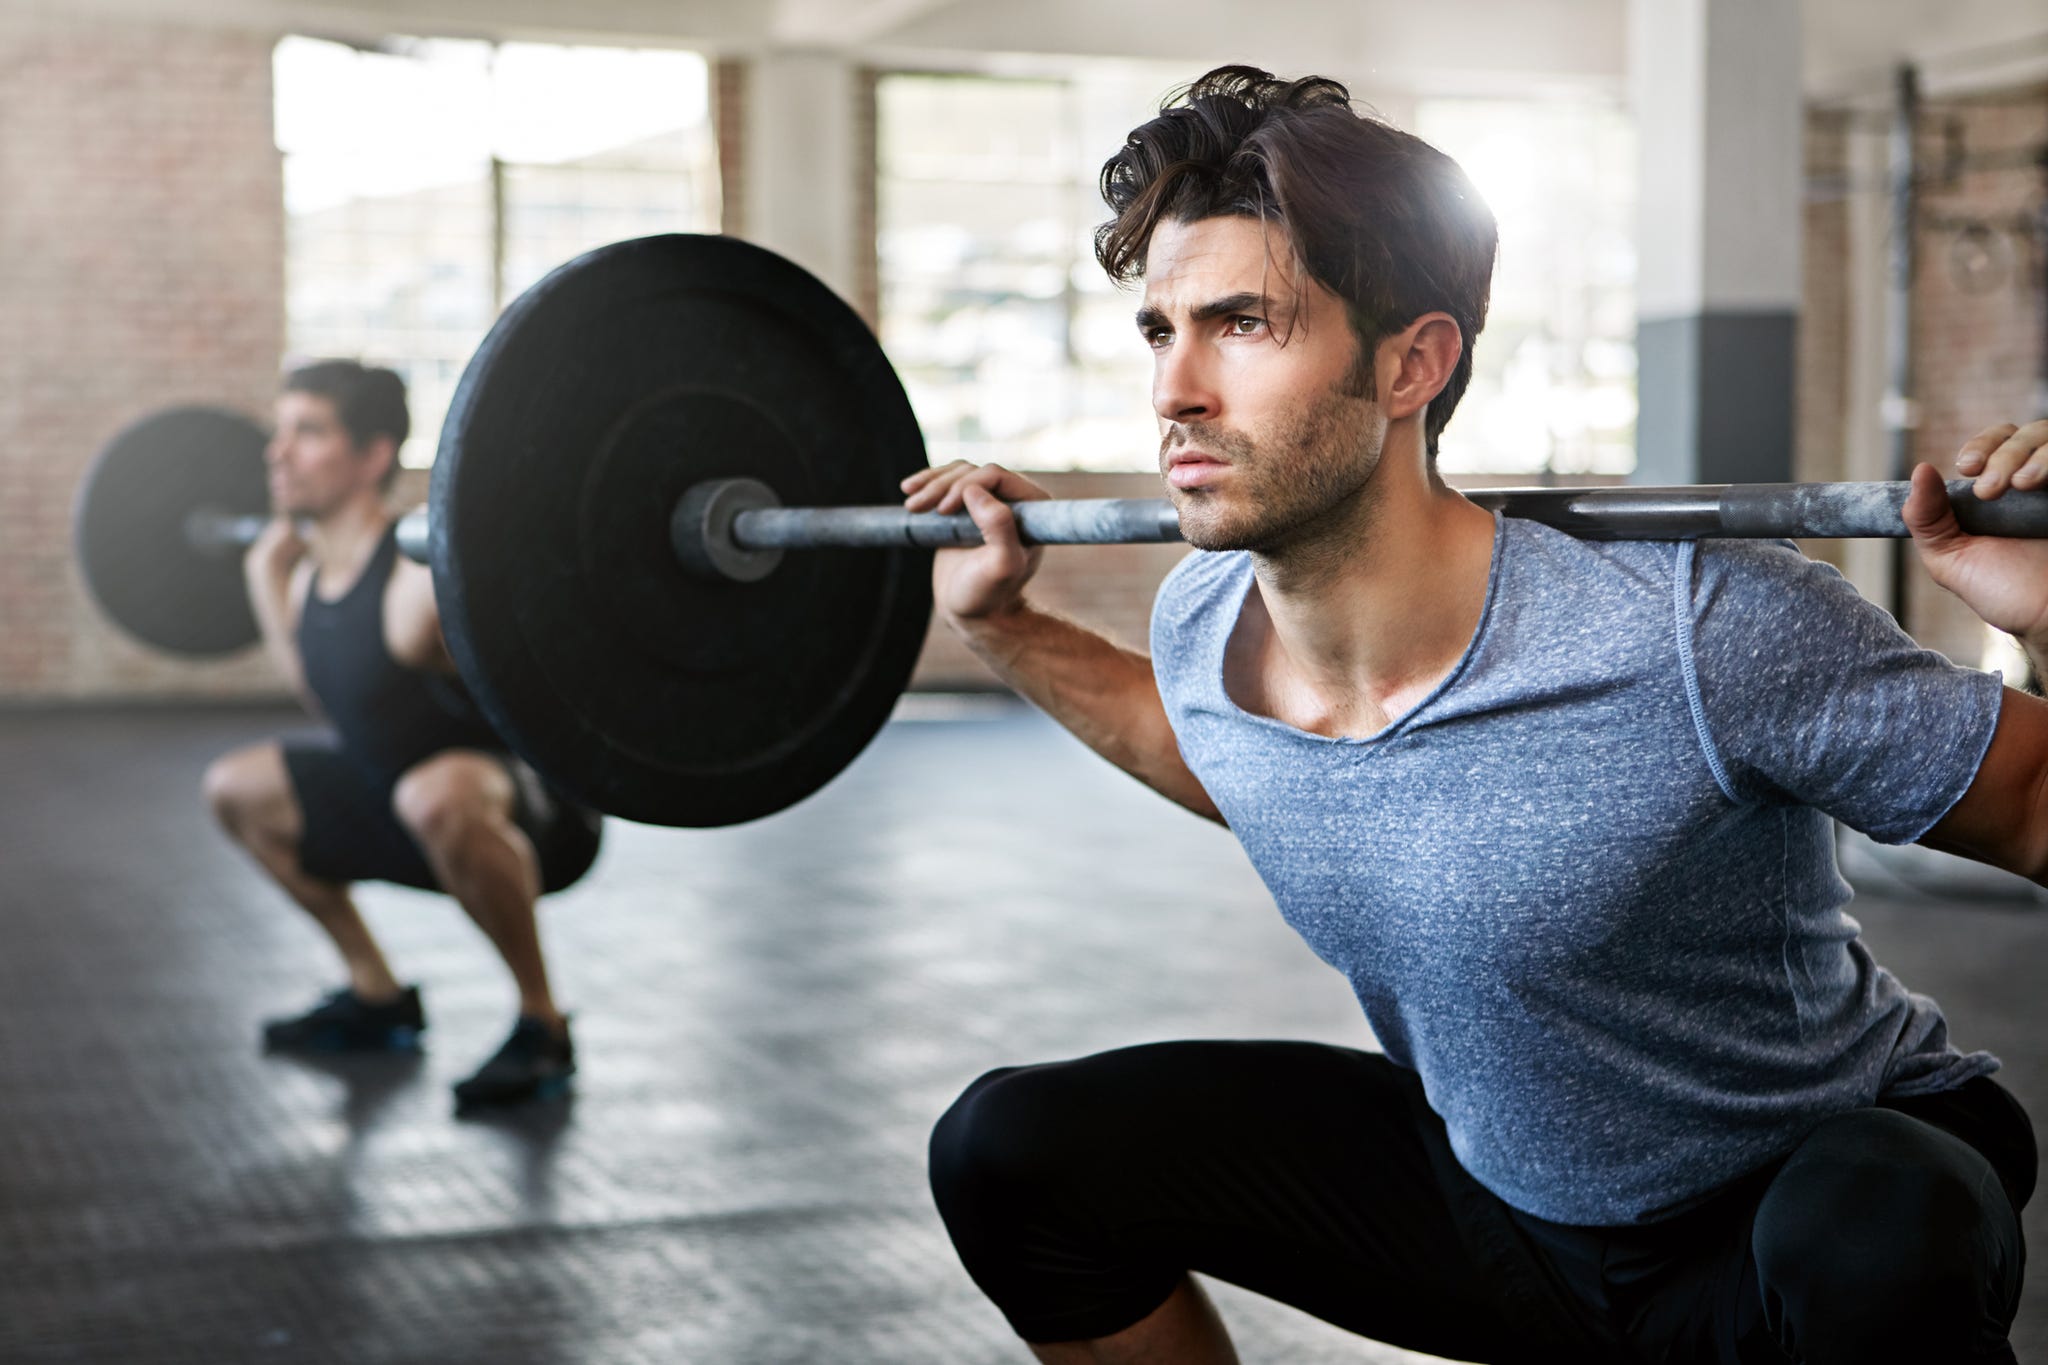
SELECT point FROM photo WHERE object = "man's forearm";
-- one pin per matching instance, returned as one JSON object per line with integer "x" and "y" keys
{"x": 270, "y": 602}
{"x": 1102, "y": 692}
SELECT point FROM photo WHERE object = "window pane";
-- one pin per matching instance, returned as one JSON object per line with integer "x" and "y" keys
{"x": 408, "y": 170}
{"x": 1011, "y": 343}
{"x": 598, "y": 145}
{"x": 1554, "y": 373}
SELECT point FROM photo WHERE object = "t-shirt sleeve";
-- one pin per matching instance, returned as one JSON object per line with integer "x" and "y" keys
{"x": 1807, "y": 693}
{"x": 1178, "y": 604}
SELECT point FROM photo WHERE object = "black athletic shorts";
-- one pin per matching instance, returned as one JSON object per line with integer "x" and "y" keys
{"x": 351, "y": 833}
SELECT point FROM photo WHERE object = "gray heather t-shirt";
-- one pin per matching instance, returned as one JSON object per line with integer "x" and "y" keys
{"x": 1586, "y": 889}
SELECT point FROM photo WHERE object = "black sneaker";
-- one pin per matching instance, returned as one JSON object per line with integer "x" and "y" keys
{"x": 345, "y": 1022}
{"x": 534, "y": 1064}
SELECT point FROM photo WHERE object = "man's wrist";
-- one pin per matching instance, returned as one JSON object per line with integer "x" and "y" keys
{"x": 1007, "y": 619}
{"x": 1002, "y": 638}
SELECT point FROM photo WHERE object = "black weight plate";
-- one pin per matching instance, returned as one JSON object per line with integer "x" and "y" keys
{"x": 129, "y": 528}
{"x": 604, "y": 392}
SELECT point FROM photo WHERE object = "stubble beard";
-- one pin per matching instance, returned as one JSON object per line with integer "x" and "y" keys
{"x": 1294, "y": 485}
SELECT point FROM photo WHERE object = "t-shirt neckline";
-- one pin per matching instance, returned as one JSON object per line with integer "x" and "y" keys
{"x": 1397, "y": 723}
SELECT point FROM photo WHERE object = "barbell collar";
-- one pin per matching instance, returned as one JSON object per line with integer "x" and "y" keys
{"x": 211, "y": 531}
{"x": 414, "y": 536}
{"x": 701, "y": 530}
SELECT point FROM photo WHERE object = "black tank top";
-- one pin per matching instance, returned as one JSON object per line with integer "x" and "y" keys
{"x": 390, "y": 717}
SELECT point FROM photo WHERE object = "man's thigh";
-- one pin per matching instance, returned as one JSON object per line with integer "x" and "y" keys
{"x": 1854, "y": 1217}
{"x": 1079, "y": 1192}
{"x": 565, "y": 837}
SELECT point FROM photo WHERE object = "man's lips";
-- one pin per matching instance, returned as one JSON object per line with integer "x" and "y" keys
{"x": 1187, "y": 468}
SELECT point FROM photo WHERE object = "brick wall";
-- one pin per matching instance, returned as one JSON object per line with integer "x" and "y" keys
{"x": 1822, "y": 388}
{"x": 867, "y": 258}
{"x": 1820, "y": 392}
{"x": 141, "y": 264}
{"x": 729, "y": 123}
{"x": 1976, "y": 337}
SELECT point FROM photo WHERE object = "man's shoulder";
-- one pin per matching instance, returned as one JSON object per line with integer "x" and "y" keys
{"x": 1193, "y": 611}
{"x": 1549, "y": 572}
{"x": 1767, "y": 573}
{"x": 1709, "y": 564}
{"x": 1199, "y": 579}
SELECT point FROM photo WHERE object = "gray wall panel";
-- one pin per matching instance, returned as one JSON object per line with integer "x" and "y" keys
{"x": 1716, "y": 398}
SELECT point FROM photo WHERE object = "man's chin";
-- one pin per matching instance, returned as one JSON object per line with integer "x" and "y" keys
{"x": 1208, "y": 532}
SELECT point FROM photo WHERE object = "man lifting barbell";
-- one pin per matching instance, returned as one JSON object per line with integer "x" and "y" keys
{"x": 415, "y": 788}
{"x": 1561, "y": 810}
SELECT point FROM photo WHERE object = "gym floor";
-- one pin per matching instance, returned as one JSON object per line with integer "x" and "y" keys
{"x": 769, "y": 1018}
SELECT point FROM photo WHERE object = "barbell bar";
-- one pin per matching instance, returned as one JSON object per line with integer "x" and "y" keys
{"x": 723, "y": 522}
{"x": 212, "y": 531}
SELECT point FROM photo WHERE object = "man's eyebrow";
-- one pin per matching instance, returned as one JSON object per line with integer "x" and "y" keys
{"x": 1227, "y": 306}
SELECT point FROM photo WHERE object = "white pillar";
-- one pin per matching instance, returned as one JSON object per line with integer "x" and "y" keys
{"x": 1718, "y": 112}
{"x": 803, "y": 157}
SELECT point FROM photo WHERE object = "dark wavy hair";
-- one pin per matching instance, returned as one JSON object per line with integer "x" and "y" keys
{"x": 1379, "y": 217}
{"x": 368, "y": 400}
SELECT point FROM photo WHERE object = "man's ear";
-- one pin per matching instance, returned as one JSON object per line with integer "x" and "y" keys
{"x": 379, "y": 453}
{"x": 1426, "y": 352}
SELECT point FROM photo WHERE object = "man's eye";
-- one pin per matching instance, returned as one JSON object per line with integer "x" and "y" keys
{"x": 1245, "y": 325}
{"x": 1156, "y": 337}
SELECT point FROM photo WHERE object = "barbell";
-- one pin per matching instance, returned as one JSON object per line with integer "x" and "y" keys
{"x": 638, "y": 443}
{"x": 161, "y": 518}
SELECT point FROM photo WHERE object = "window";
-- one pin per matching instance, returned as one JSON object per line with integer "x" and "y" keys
{"x": 428, "y": 182}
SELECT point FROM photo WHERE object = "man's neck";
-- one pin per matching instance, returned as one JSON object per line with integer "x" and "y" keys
{"x": 341, "y": 541}
{"x": 1367, "y": 615}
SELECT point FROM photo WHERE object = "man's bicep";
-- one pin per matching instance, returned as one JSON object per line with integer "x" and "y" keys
{"x": 413, "y": 626}
{"x": 2002, "y": 817}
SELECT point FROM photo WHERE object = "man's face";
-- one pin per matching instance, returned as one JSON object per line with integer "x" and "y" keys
{"x": 314, "y": 467}
{"x": 1255, "y": 383}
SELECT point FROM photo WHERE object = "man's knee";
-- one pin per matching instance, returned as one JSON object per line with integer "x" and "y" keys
{"x": 441, "y": 807}
{"x": 445, "y": 805}
{"x": 1883, "y": 1234}
{"x": 244, "y": 790}
{"x": 1013, "y": 1138}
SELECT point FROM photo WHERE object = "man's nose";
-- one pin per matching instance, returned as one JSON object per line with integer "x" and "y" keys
{"x": 1183, "y": 390}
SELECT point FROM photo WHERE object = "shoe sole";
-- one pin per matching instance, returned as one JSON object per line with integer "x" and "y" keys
{"x": 553, "y": 1088}
{"x": 329, "y": 1042}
